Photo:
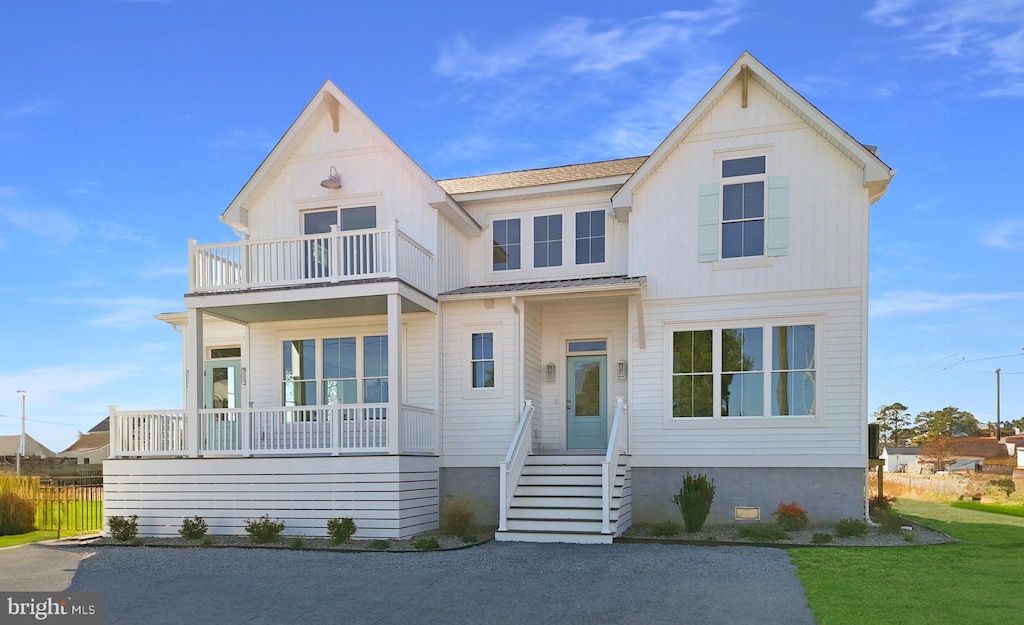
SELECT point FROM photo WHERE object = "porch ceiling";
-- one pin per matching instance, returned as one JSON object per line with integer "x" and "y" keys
{"x": 313, "y": 309}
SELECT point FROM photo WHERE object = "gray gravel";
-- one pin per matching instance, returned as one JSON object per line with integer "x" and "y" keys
{"x": 495, "y": 583}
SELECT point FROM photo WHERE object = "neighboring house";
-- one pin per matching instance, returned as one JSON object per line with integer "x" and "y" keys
{"x": 559, "y": 345}
{"x": 92, "y": 447}
{"x": 965, "y": 463}
{"x": 1013, "y": 443}
{"x": 9, "y": 447}
{"x": 898, "y": 458}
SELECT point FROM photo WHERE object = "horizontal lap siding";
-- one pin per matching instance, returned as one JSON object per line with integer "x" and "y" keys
{"x": 387, "y": 496}
{"x": 478, "y": 426}
{"x": 835, "y": 439}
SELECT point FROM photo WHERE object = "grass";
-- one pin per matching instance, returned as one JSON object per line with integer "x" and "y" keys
{"x": 34, "y": 537}
{"x": 995, "y": 508}
{"x": 72, "y": 515}
{"x": 974, "y": 581}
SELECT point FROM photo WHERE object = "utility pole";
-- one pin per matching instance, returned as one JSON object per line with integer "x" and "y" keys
{"x": 997, "y": 404}
{"x": 21, "y": 447}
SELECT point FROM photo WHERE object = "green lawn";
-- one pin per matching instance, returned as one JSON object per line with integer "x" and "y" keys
{"x": 71, "y": 515}
{"x": 1010, "y": 509}
{"x": 974, "y": 581}
{"x": 36, "y": 536}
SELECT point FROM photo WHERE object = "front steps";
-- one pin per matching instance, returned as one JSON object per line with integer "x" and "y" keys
{"x": 558, "y": 499}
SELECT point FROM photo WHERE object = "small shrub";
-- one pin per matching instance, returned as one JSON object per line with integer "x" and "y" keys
{"x": 1006, "y": 485}
{"x": 851, "y": 527}
{"x": 880, "y": 504}
{"x": 124, "y": 529}
{"x": 763, "y": 533}
{"x": 666, "y": 528}
{"x": 194, "y": 528}
{"x": 891, "y": 524}
{"x": 17, "y": 514}
{"x": 821, "y": 539}
{"x": 297, "y": 542}
{"x": 207, "y": 541}
{"x": 469, "y": 538}
{"x": 426, "y": 544}
{"x": 458, "y": 516}
{"x": 790, "y": 516}
{"x": 379, "y": 544}
{"x": 340, "y": 530}
{"x": 264, "y": 530}
{"x": 694, "y": 500}
{"x": 909, "y": 537}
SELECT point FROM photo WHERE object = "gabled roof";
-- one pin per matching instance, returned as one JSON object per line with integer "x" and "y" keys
{"x": 542, "y": 176}
{"x": 9, "y": 446}
{"x": 980, "y": 447}
{"x": 89, "y": 442}
{"x": 876, "y": 173}
{"x": 329, "y": 98}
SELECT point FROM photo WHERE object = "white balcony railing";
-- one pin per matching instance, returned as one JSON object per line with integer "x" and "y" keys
{"x": 334, "y": 257}
{"x": 286, "y": 431}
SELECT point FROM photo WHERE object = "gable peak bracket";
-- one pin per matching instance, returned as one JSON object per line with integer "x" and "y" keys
{"x": 332, "y": 107}
{"x": 744, "y": 74}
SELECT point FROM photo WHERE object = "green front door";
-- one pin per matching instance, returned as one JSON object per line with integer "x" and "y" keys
{"x": 223, "y": 384}
{"x": 587, "y": 402}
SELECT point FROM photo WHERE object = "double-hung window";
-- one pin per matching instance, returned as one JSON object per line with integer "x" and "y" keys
{"x": 482, "y": 360}
{"x": 590, "y": 237}
{"x": 547, "y": 241}
{"x": 743, "y": 207}
{"x": 722, "y": 372}
{"x": 507, "y": 245}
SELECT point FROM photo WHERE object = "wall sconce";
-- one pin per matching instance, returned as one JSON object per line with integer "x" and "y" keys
{"x": 333, "y": 181}
{"x": 621, "y": 369}
{"x": 549, "y": 372}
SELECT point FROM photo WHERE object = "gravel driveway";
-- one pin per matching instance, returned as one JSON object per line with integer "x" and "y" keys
{"x": 494, "y": 583}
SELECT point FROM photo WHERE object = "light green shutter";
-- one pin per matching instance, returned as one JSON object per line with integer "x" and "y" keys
{"x": 707, "y": 223}
{"x": 778, "y": 216}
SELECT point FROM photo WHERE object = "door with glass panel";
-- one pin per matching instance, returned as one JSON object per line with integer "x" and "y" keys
{"x": 357, "y": 251}
{"x": 223, "y": 391}
{"x": 586, "y": 402}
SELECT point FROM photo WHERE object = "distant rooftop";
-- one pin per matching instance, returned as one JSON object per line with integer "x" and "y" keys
{"x": 546, "y": 175}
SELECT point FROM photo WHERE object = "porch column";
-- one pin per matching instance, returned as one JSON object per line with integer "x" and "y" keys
{"x": 394, "y": 370}
{"x": 194, "y": 363}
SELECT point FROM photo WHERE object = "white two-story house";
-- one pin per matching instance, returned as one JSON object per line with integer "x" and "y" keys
{"x": 561, "y": 345}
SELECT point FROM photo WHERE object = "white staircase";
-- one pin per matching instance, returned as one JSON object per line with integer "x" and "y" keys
{"x": 559, "y": 499}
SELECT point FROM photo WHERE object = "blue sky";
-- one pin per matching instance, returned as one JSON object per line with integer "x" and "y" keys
{"x": 127, "y": 127}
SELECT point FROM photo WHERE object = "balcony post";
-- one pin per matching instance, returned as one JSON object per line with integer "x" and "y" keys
{"x": 334, "y": 253}
{"x": 194, "y": 369}
{"x": 243, "y": 259}
{"x": 394, "y": 370}
{"x": 393, "y": 249}
{"x": 115, "y": 433}
{"x": 192, "y": 282}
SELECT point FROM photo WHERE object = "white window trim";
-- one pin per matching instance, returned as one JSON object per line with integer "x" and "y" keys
{"x": 608, "y": 227}
{"x": 349, "y": 201}
{"x": 767, "y": 420}
{"x": 525, "y": 264}
{"x": 466, "y": 360}
{"x": 358, "y": 333}
{"x": 743, "y": 262}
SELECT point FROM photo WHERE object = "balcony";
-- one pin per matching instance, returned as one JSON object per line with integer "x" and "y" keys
{"x": 330, "y": 430}
{"x": 333, "y": 258}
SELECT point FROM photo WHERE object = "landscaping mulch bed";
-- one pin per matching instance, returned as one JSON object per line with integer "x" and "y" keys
{"x": 730, "y": 535}
{"x": 445, "y": 542}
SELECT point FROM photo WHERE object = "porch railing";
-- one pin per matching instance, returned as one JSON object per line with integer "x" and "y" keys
{"x": 511, "y": 468}
{"x": 617, "y": 445}
{"x": 333, "y": 429}
{"x": 337, "y": 256}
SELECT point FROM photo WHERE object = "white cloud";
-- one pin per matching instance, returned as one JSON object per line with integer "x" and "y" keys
{"x": 33, "y": 109}
{"x": 110, "y": 231}
{"x": 1006, "y": 235}
{"x": 888, "y": 12}
{"x": 51, "y": 224}
{"x": 583, "y": 45}
{"x": 915, "y": 302}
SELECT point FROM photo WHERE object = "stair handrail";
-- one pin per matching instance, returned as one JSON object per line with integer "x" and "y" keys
{"x": 610, "y": 464}
{"x": 511, "y": 468}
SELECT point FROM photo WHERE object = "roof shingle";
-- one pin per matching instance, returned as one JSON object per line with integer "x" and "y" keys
{"x": 546, "y": 175}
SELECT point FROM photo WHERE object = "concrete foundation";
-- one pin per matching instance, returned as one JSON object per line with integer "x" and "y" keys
{"x": 827, "y": 494}
{"x": 478, "y": 484}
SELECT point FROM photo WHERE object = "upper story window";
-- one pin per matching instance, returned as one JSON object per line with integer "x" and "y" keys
{"x": 743, "y": 207}
{"x": 355, "y": 218}
{"x": 507, "y": 245}
{"x": 547, "y": 241}
{"x": 590, "y": 237}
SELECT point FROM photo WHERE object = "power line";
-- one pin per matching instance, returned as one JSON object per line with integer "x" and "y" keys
{"x": 996, "y": 357}
{"x": 909, "y": 379}
{"x": 890, "y": 391}
{"x": 68, "y": 425}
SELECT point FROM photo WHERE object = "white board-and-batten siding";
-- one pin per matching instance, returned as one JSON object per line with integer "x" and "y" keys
{"x": 386, "y": 496}
{"x": 828, "y": 209}
{"x": 832, "y": 438}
